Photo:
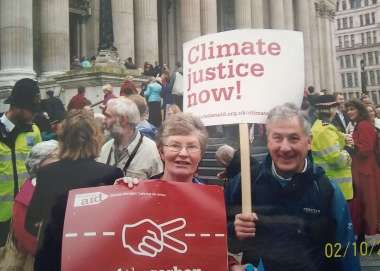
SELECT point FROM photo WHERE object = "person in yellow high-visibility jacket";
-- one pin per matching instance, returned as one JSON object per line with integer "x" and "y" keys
{"x": 329, "y": 146}
{"x": 17, "y": 136}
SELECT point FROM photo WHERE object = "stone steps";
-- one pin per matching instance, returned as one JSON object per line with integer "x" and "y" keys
{"x": 209, "y": 163}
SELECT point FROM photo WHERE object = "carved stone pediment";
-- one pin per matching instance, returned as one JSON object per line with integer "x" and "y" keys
{"x": 325, "y": 9}
{"x": 108, "y": 58}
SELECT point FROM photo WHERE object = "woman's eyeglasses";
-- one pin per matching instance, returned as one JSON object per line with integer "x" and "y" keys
{"x": 179, "y": 148}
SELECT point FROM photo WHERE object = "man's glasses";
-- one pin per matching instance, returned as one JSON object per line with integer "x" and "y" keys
{"x": 178, "y": 148}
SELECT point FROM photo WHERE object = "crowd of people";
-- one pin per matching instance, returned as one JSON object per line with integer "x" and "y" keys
{"x": 78, "y": 63}
{"x": 82, "y": 62}
{"x": 318, "y": 185}
{"x": 346, "y": 144}
{"x": 159, "y": 91}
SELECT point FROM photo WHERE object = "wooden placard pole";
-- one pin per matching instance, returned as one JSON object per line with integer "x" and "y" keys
{"x": 246, "y": 202}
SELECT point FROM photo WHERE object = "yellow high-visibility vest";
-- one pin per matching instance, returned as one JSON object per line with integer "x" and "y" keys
{"x": 23, "y": 144}
{"x": 328, "y": 152}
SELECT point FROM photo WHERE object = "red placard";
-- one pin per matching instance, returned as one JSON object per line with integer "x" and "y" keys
{"x": 156, "y": 226}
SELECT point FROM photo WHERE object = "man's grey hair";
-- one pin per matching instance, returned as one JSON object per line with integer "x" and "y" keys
{"x": 286, "y": 112}
{"x": 123, "y": 107}
{"x": 39, "y": 153}
{"x": 224, "y": 154}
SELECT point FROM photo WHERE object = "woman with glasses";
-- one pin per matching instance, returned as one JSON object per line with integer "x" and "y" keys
{"x": 181, "y": 142}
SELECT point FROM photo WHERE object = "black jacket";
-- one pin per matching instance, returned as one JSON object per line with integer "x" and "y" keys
{"x": 294, "y": 221}
{"x": 50, "y": 198}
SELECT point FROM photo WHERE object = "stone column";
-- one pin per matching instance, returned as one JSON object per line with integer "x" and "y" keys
{"x": 146, "y": 31}
{"x": 54, "y": 47}
{"x": 325, "y": 15}
{"x": 16, "y": 43}
{"x": 83, "y": 38}
{"x": 209, "y": 18}
{"x": 92, "y": 28}
{"x": 163, "y": 38}
{"x": 257, "y": 11}
{"x": 277, "y": 16}
{"x": 78, "y": 40}
{"x": 191, "y": 19}
{"x": 243, "y": 14}
{"x": 315, "y": 46}
{"x": 289, "y": 14}
{"x": 330, "y": 53}
{"x": 36, "y": 36}
{"x": 322, "y": 51}
{"x": 172, "y": 36}
{"x": 333, "y": 58}
{"x": 178, "y": 31}
{"x": 302, "y": 23}
{"x": 123, "y": 28}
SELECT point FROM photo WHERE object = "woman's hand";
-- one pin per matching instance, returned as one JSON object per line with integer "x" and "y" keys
{"x": 128, "y": 181}
{"x": 222, "y": 175}
{"x": 349, "y": 140}
{"x": 245, "y": 225}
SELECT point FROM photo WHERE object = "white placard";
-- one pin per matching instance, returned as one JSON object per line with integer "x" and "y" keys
{"x": 238, "y": 76}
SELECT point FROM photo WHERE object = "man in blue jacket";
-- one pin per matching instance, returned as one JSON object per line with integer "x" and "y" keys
{"x": 300, "y": 220}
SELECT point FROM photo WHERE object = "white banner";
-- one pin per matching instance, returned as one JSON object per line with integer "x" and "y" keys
{"x": 238, "y": 76}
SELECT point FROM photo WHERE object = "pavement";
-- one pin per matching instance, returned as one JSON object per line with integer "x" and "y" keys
{"x": 370, "y": 259}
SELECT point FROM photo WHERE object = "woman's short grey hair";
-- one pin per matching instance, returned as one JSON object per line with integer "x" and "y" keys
{"x": 182, "y": 124}
{"x": 123, "y": 107}
{"x": 286, "y": 112}
{"x": 39, "y": 153}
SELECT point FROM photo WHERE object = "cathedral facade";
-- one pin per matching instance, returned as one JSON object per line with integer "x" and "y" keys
{"x": 40, "y": 38}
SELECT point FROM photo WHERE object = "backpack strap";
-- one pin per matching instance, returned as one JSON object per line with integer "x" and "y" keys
{"x": 133, "y": 154}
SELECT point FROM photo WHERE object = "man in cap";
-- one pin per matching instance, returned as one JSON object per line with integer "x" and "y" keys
{"x": 329, "y": 145}
{"x": 17, "y": 136}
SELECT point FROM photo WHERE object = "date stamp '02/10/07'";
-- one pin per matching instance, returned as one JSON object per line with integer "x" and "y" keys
{"x": 363, "y": 249}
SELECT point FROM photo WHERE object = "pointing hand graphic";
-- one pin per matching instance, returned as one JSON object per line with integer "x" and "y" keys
{"x": 147, "y": 238}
